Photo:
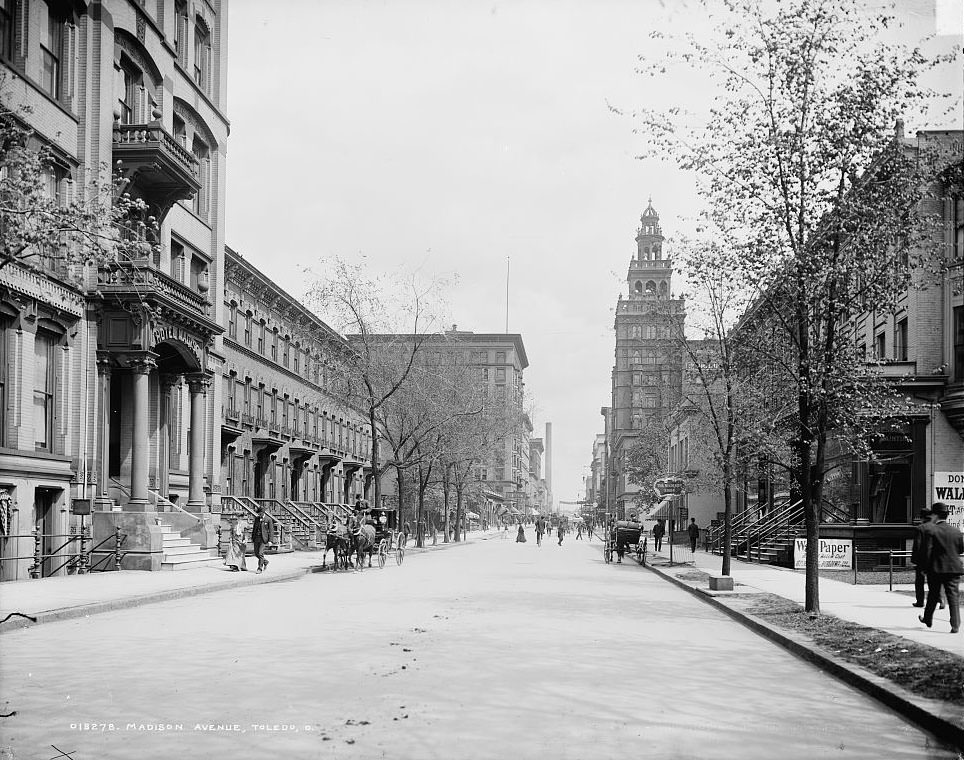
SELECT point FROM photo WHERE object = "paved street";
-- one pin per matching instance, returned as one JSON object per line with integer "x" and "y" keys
{"x": 492, "y": 650}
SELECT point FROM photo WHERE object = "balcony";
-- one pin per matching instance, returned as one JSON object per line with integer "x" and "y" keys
{"x": 161, "y": 168}
{"x": 140, "y": 280}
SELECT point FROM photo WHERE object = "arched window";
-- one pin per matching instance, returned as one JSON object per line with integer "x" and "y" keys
{"x": 663, "y": 288}
{"x": 638, "y": 288}
{"x": 651, "y": 287}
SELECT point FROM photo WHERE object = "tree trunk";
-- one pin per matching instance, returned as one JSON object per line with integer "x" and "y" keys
{"x": 727, "y": 516}
{"x": 446, "y": 486}
{"x": 377, "y": 487}
{"x": 458, "y": 513}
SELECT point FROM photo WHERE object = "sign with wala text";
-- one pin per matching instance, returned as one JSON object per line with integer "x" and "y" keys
{"x": 949, "y": 488}
{"x": 833, "y": 553}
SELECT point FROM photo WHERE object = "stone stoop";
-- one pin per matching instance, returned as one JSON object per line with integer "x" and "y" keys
{"x": 180, "y": 553}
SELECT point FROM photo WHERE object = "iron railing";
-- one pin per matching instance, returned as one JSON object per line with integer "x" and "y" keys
{"x": 80, "y": 561}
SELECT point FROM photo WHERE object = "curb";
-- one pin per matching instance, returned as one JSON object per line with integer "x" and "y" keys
{"x": 83, "y": 610}
{"x": 20, "y": 621}
{"x": 918, "y": 710}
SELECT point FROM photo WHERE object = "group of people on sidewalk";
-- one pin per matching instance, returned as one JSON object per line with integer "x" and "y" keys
{"x": 936, "y": 555}
{"x": 262, "y": 537}
{"x": 692, "y": 531}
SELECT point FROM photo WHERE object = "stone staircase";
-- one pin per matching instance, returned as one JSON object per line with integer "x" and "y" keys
{"x": 181, "y": 553}
{"x": 773, "y": 551}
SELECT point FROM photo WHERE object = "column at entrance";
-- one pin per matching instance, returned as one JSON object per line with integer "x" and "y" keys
{"x": 141, "y": 368}
{"x": 198, "y": 385}
{"x": 104, "y": 502}
{"x": 168, "y": 382}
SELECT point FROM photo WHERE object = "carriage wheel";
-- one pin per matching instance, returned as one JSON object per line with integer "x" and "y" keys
{"x": 399, "y": 554}
{"x": 382, "y": 553}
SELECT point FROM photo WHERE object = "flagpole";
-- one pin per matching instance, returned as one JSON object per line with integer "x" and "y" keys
{"x": 506, "y": 295}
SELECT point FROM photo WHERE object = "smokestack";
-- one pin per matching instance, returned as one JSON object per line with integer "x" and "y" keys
{"x": 548, "y": 468}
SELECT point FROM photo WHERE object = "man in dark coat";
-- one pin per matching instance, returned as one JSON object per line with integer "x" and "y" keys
{"x": 262, "y": 535}
{"x": 693, "y": 530}
{"x": 917, "y": 557}
{"x": 943, "y": 547}
{"x": 658, "y": 532}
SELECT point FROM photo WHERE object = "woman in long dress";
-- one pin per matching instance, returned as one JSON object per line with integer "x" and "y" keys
{"x": 236, "y": 549}
{"x": 521, "y": 535}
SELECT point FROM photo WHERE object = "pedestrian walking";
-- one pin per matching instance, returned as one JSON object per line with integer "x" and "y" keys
{"x": 658, "y": 532}
{"x": 942, "y": 548}
{"x": 540, "y": 529}
{"x": 578, "y": 531}
{"x": 237, "y": 545}
{"x": 694, "y": 533}
{"x": 917, "y": 557}
{"x": 262, "y": 536}
{"x": 561, "y": 533}
{"x": 520, "y": 537}
{"x": 406, "y": 532}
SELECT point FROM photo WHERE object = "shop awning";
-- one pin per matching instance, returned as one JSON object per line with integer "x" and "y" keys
{"x": 665, "y": 510}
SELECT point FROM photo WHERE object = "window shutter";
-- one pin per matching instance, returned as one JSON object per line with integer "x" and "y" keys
{"x": 182, "y": 34}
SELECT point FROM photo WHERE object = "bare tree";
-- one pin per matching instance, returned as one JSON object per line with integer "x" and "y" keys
{"x": 386, "y": 320}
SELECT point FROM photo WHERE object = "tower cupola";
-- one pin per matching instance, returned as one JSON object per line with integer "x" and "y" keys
{"x": 649, "y": 236}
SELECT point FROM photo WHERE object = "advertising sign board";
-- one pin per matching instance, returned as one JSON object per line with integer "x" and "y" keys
{"x": 949, "y": 488}
{"x": 833, "y": 553}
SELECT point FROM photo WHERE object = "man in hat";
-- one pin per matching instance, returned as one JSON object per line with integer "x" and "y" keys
{"x": 262, "y": 536}
{"x": 942, "y": 550}
{"x": 917, "y": 556}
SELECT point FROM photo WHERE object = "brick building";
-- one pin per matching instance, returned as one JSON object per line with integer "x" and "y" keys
{"x": 285, "y": 435}
{"x": 110, "y": 373}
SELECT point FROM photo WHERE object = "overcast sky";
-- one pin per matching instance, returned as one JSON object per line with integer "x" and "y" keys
{"x": 450, "y": 136}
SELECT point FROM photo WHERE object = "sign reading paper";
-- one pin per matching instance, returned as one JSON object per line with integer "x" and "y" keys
{"x": 949, "y": 488}
{"x": 833, "y": 553}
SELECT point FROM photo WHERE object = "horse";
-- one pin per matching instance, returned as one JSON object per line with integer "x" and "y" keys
{"x": 337, "y": 541}
{"x": 362, "y": 542}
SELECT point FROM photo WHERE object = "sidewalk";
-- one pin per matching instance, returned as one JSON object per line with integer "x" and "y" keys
{"x": 871, "y": 605}
{"x": 71, "y": 596}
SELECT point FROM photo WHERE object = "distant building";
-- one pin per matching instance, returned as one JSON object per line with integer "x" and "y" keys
{"x": 647, "y": 372}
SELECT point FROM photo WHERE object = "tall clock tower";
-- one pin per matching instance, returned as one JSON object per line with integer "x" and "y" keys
{"x": 647, "y": 374}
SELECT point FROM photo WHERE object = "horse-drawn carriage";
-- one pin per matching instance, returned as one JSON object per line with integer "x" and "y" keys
{"x": 388, "y": 539}
{"x": 371, "y": 532}
{"x": 623, "y": 536}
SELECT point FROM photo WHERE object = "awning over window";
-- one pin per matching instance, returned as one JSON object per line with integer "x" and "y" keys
{"x": 665, "y": 510}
